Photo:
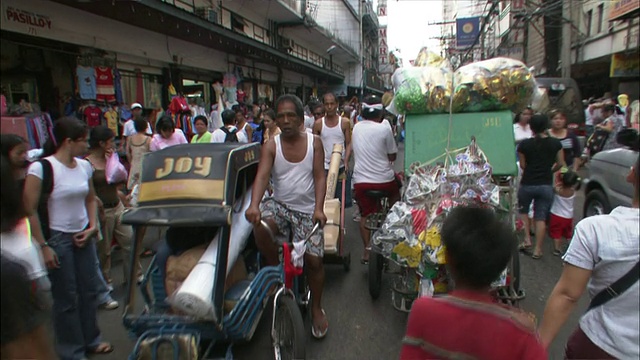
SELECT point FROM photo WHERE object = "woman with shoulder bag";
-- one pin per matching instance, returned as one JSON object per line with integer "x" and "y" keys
{"x": 59, "y": 187}
{"x": 603, "y": 259}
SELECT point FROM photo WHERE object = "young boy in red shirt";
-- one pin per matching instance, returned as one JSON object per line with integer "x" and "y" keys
{"x": 467, "y": 324}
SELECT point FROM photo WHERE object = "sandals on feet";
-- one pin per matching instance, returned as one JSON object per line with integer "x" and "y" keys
{"x": 557, "y": 252}
{"x": 536, "y": 256}
{"x": 364, "y": 261}
{"x": 102, "y": 349}
{"x": 316, "y": 331}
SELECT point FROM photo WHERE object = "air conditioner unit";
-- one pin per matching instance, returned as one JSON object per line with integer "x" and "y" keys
{"x": 286, "y": 43}
{"x": 208, "y": 13}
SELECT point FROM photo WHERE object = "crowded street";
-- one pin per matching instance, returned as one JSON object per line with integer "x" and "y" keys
{"x": 320, "y": 179}
{"x": 362, "y": 328}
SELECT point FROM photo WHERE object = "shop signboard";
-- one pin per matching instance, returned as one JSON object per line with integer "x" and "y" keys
{"x": 467, "y": 31}
{"x": 28, "y": 22}
{"x": 513, "y": 52}
{"x": 620, "y": 8}
{"x": 625, "y": 65}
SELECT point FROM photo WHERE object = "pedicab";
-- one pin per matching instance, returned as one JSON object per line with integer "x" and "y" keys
{"x": 407, "y": 233}
{"x": 207, "y": 185}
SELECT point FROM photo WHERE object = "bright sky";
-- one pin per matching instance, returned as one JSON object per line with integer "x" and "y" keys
{"x": 408, "y": 26}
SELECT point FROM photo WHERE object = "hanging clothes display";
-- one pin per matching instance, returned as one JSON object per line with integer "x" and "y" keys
{"x": 86, "y": 82}
{"x": 179, "y": 105}
{"x": 38, "y": 128}
{"x": 104, "y": 84}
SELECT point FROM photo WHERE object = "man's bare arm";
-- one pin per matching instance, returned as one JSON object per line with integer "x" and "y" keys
{"x": 346, "y": 129}
{"x": 320, "y": 181}
{"x": 317, "y": 127}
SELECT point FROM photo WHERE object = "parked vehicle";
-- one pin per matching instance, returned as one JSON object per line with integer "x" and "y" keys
{"x": 606, "y": 186}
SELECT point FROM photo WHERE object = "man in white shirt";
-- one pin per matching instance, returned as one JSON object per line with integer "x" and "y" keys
{"x": 335, "y": 129}
{"x": 604, "y": 248}
{"x": 374, "y": 148}
{"x": 229, "y": 132}
{"x": 129, "y": 128}
{"x": 293, "y": 164}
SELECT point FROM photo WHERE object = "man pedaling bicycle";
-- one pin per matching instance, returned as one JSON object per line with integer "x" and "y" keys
{"x": 295, "y": 163}
{"x": 374, "y": 150}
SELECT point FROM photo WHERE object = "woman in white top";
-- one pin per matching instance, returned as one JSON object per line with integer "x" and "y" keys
{"x": 521, "y": 129}
{"x": 26, "y": 303}
{"x": 69, "y": 247}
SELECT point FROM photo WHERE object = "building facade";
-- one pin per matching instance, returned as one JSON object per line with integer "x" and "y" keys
{"x": 270, "y": 47}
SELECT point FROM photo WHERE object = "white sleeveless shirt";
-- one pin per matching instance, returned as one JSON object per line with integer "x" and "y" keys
{"x": 293, "y": 183}
{"x": 331, "y": 136}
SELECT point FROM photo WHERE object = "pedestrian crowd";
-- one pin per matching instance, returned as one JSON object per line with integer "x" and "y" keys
{"x": 61, "y": 217}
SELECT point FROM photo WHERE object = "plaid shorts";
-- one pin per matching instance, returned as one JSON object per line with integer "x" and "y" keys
{"x": 288, "y": 220}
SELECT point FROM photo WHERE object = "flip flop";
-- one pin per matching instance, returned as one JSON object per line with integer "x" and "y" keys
{"x": 102, "y": 349}
{"x": 557, "y": 252}
{"x": 523, "y": 247}
{"x": 318, "y": 334}
{"x": 364, "y": 261}
{"x": 147, "y": 253}
{"x": 536, "y": 256}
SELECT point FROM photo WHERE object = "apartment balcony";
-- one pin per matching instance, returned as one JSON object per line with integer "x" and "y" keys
{"x": 369, "y": 16}
{"x": 216, "y": 28}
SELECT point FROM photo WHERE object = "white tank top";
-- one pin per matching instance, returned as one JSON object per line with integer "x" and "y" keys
{"x": 563, "y": 206}
{"x": 293, "y": 183}
{"x": 331, "y": 136}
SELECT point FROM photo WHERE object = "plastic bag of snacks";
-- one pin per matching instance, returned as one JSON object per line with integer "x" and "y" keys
{"x": 494, "y": 84}
{"x": 423, "y": 90}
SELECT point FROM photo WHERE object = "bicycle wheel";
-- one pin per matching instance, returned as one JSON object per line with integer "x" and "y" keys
{"x": 289, "y": 336}
{"x": 376, "y": 263}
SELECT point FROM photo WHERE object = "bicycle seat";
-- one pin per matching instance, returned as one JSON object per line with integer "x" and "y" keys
{"x": 376, "y": 194}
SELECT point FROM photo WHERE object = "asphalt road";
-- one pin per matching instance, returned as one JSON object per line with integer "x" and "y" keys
{"x": 359, "y": 327}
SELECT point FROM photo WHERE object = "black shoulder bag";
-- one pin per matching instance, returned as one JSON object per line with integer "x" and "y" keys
{"x": 614, "y": 290}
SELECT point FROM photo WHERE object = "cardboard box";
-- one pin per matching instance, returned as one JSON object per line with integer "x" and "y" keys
{"x": 331, "y": 230}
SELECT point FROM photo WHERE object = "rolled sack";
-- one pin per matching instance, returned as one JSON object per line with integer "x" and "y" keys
{"x": 332, "y": 206}
{"x": 195, "y": 295}
{"x": 334, "y": 170}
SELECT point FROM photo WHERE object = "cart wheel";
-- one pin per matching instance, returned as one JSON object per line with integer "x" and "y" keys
{"x": 346, "y": 262}
{"x": 376, "y": 263}
{"x": 288, "y": 336}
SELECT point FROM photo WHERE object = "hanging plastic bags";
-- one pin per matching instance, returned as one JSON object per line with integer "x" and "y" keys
{"x": 114, "y": 170}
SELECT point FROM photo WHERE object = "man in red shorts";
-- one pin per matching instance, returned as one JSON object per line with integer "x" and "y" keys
{"x": 374, "y": 149}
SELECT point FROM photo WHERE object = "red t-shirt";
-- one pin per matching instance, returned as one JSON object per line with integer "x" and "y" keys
{"x": 469, "y": 325}
{"x": 92, "y": 115}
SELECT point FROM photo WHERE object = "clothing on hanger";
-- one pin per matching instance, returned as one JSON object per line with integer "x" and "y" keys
{"x": 92, "y": 115}
{"x": 104, "y": 84}
{"x": 86, "y": 82}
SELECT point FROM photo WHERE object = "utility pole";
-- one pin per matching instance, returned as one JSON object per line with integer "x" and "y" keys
{"x": 565, "y": 48}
